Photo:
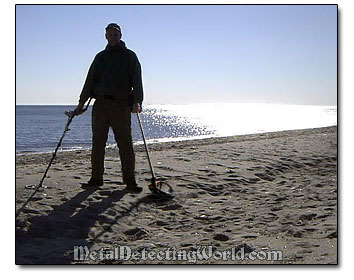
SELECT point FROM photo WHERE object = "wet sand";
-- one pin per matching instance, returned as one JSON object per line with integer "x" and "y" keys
{"x": 261, "y": 192}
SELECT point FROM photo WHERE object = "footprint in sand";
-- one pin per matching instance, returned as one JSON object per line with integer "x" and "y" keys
{"x": 221, "y": 237}
{"x": 265, "y": 177}
{"x": 136, "y": 233}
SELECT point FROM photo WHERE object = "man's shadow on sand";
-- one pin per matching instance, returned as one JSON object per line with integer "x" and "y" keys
{"x": 51, "y": 238}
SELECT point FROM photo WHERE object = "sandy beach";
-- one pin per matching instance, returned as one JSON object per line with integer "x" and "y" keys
{"x": 241, "y": 194}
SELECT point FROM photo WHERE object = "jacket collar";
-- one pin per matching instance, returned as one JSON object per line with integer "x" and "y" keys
{"x": 118, "y": 47}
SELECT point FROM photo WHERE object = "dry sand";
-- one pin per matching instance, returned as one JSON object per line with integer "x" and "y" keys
{"x": 261, "y": 192}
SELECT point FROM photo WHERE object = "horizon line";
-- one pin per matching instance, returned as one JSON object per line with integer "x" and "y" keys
{"x": 195, "y": 103}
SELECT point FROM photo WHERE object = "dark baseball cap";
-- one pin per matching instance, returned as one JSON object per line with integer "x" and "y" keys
{"x": 114, "y": 26}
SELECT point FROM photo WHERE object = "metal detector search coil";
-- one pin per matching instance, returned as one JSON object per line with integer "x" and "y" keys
{"x": 162, "y": 188}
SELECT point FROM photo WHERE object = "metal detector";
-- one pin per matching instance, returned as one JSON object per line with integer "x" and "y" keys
{"x": 157, "y": 187}
{"x": 70, "y": 115}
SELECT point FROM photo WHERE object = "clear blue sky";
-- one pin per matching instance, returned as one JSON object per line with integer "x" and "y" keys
{"x": 189, "y": 54}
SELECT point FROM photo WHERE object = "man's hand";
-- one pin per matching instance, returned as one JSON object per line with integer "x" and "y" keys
{"x": 79, "y": 109}
{"x": 136, "y": 108}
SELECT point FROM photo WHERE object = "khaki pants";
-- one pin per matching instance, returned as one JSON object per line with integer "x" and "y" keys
{"x": 116, "y": 114}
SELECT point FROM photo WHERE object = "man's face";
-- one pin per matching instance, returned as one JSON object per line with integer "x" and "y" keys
{"x": 113, "y": 36}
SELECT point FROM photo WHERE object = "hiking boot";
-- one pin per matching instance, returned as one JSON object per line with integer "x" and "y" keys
{"x": 93, "y": 183}
{"x": 133, "y": 188}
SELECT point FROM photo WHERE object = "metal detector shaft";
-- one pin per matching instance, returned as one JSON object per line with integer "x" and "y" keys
{"x": 147, "y": 151}
{"x": 70, "y": 118}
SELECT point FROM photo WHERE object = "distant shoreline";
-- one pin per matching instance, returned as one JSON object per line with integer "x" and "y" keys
{"x": 182, "y": 143}
{"x": 166, "y": 123}
{"x": 157, "y": 104}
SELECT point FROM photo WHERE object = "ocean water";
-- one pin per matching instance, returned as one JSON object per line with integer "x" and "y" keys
{"x": 39, "y": 128}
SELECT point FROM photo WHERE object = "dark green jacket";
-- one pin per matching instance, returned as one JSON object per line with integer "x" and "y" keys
{"x": 116, "y": 72}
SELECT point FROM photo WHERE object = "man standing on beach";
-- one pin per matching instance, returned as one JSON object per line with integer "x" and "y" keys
{"x": 114, "y": 80}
